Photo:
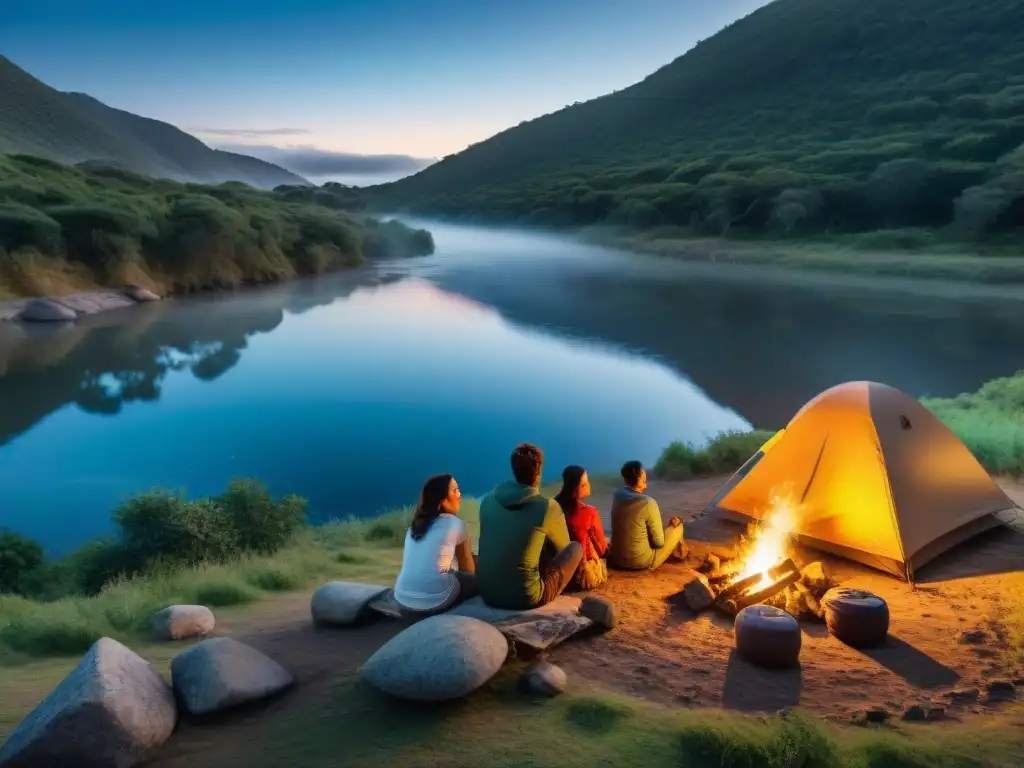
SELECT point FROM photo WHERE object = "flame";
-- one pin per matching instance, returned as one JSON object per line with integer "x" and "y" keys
{"x": 770, "y": 542}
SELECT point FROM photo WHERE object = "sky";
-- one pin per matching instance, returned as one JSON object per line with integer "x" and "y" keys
{"x": 317, "y": 85}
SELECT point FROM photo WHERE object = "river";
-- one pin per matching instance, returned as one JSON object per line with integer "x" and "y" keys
{"x": 351, "y": 389}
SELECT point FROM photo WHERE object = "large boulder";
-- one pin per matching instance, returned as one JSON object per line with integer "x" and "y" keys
{"x": 46, "y": 311}
{"x": 221, "y": 672}
{"x": 178, "y": 622}
{"x": 343, "y": 603}
{"x": 112, "y": 710}
{"x": 440, "y": 658}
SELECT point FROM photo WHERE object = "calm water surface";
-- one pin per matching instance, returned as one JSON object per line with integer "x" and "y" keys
{"x": 352, "y": 389}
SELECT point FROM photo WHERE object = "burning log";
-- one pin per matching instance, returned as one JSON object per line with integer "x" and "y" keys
{"x": 749, "y": 591}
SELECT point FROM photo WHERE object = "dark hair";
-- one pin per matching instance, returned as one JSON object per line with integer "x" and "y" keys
{"x": 527, "y": 460}
{"x": 434, "y": 492}
{"x": 569, "y": 497}
{"x": 631, "y": 472}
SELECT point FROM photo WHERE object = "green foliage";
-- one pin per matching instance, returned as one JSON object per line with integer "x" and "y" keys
{"x": 596, "y": 715}
{"x": 803, "y": 118}
{"x": 724, "y": 453}
{"x": 18, "y": 556}
{"x": 100, "y": 220}
{"x": 789, "y": 742}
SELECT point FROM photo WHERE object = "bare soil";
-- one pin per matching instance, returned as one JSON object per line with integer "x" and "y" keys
{"x": 663, "y": 653}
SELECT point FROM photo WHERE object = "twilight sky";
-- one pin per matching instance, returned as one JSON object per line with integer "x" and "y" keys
{"x": 420, "y": 78}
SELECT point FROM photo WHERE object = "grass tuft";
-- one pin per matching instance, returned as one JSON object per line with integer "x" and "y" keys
{"x": 596, "y": 715}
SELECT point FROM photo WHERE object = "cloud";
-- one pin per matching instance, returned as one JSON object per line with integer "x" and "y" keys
{"x": 251, "y": 132}
{"x": 311, "y": 161}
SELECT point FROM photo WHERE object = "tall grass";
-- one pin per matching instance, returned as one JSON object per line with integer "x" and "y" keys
{"x": 724, "y": 453}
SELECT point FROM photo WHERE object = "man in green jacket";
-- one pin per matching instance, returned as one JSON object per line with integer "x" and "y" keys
{"x": 639, "y": 541}
{"x": 525, "y": 556}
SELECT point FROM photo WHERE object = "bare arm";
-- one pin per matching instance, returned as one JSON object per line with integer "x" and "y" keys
{"x": 464, "y": 554}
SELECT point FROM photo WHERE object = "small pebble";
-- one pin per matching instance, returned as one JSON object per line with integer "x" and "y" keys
{"x": 545, "y": 678}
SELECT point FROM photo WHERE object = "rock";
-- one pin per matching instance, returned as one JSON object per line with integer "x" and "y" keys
{"x": 872, "y": 715}
{"x": 697, "y": 592}
{"x": 46, "y": 311}
{"x": 539, "y": 632}
{"x": 973, "y": 637}
{"x": 963, "y": 695}
{"x": 440, "y": 658}
{"x": 178, "y": 622}
{"x": 343, "y": 603}
{"x": 1000, "y": 690}
{"x": 711, "y": 563}
{"x": 94, "y": 302}
{"x": 476, "y": 608}
{"x": 221, "y": 672}
{"x": 545, "y": 678}
{"x": 600, "y": 610}
{"x": 141, "y": 295}
{"x": 816, "y": 576}
{"x": 915, "y": 713}
{"x": 113, "y": 709}
{"x": 936, "y": 712}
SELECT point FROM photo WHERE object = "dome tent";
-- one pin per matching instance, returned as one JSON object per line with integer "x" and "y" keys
{"x": 871, "y": 475}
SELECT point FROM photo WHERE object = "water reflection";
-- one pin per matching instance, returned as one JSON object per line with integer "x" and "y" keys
{"x": 351, "y": 404}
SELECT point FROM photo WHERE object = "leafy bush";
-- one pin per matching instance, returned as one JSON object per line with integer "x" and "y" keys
{"x": 725, "y": 453}
{"x": 18, "y": 556}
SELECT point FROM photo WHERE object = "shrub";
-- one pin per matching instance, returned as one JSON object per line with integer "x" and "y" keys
{"x": 19, "y": 556}
{"x": 254, "y": 521}
{"x": 725, "y": 453}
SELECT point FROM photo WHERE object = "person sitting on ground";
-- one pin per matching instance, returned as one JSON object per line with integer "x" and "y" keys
{"x": 437, "y": 541}
{"x": 526, "y": 558}
{"x": 639, "y": 541}
{"x": 584, "y": 524}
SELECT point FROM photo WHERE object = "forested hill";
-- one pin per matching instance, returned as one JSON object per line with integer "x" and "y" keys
{"x": 807, "y": 115}
{"x": 36, "y": 119}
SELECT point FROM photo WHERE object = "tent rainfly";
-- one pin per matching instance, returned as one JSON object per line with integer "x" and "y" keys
{"x": 873, "y": 475}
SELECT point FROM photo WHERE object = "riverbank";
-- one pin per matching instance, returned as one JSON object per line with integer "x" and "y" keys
{"x": 865, "y": 256}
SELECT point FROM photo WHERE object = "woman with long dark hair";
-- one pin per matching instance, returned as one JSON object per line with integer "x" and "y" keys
{"x": 584, "y": 524}
{"x": 438, "y": 569}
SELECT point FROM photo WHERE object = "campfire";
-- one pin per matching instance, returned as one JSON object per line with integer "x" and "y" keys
{"x": 761, "y": 569}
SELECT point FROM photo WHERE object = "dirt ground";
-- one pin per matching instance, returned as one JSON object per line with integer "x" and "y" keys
{"x": 665, "y": 654}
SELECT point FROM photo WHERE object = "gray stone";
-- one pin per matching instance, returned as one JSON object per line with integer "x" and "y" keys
{"x": 600, "y": 610}
{"x": 963, "y": 695}
{"x": 113, "y": 709}
{"x": 440, "y": 658}
{"x": 178, "y": 622}
{"x": 476, "y": 608}
{"x": 94, "y": 302}
{"x": 141, "y": 295}
{"x": 1000, "y": 690}
{"x": 545, "y": 678}
{"x": 697, "y": 592}
{"x": 915, "y": 713}
{"x": 343, "y": 603}
{"x": 221, "y": 672}
{"x": 46, "y": 311}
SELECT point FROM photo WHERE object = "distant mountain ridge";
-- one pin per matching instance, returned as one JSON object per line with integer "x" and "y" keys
{"x": 73, "y": 128}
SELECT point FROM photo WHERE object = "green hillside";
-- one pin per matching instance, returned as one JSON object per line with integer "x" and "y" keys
{"x": 66, "y": 228}
{"x": 804, "y": 117}
{"x": 73, "y": 127}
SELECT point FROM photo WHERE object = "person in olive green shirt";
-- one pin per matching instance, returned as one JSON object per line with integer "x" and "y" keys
{"x": 639, "y": 541}
{"x": 525, "y": 557}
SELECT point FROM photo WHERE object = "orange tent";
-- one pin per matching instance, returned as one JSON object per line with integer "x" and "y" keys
{"x": 872, "y": 475}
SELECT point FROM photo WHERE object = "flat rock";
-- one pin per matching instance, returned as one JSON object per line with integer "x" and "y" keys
{"x": 440, "y": 658}
{"x": 600, "y": 610}
{"x": 386, "y": 605}
{"x": 543, "y": 631}
{"x": 94, "y": 302}
{"x": 46, "y": 311}
{"x": 140, "y": 295}
{"x": 178, "y": 622}
{"x": 476, "y": 608}
{"x": 545, "y": 678}
{"x": 113, "y": 709}
{"x": 221, "y": 672}
{"x": 343, "y": 603}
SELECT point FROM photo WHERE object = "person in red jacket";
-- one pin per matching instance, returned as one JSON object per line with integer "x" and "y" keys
{"x": 584, "y": 524}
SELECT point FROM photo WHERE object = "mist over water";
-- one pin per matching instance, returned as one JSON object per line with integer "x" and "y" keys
{"x": 352, "y": 389}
